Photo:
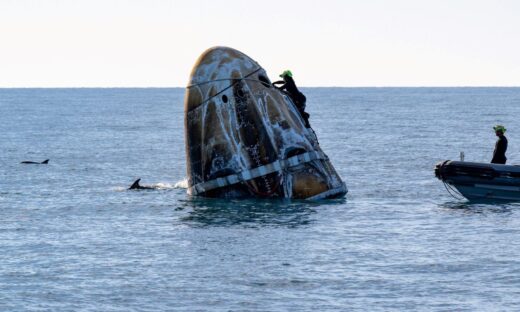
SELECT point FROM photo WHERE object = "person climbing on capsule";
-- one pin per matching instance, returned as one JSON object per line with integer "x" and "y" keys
{"x": 499, "y": 154}
{"x": 288, "y": 85}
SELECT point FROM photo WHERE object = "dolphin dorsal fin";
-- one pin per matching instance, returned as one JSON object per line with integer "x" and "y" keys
{"x": 46, "y": 161}
{"x": 135, "y": 185}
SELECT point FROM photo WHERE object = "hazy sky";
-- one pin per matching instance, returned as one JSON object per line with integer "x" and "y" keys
{"x": 68, "y": 43}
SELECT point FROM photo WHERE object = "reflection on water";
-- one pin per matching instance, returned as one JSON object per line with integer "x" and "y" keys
{"x": 481, "y": 206}
{"x": 250, "y": 212}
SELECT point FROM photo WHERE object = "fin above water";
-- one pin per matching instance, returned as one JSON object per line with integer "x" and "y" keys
{"x": 28, "y": 162}
{"x": 137, "y": 186}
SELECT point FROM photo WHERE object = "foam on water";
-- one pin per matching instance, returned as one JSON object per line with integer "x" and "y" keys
{"x": 183, "y": 184}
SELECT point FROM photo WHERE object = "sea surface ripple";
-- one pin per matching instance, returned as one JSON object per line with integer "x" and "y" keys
{"x": 72, "y": 238}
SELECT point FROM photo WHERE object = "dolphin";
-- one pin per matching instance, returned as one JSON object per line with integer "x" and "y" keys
{"x": 45, "y": 162}
{"x": 136, "y": 186}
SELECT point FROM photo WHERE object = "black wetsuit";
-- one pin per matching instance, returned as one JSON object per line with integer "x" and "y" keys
{"x": 296, "y": 96}
{"x": 499, "y": 155}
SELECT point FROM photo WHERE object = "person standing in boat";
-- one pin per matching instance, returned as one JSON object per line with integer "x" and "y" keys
{"x": 499, "y": 155}
{"x": 288, "y": 85}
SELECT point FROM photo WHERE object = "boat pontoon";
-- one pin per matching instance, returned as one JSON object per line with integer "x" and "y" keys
{"x": 480, "y": 180}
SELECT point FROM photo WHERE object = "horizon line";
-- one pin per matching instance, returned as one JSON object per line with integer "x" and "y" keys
{"x": 179, "y": 87}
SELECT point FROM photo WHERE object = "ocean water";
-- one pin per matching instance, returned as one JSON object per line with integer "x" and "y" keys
{"x": 72, "y": 238}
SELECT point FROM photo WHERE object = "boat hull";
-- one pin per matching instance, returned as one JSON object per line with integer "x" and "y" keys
{"x": 481, "y": 181}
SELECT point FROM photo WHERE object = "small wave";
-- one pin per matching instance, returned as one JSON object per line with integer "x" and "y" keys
{"x": 163, "y": 186}
{"x": 183, "y": 184}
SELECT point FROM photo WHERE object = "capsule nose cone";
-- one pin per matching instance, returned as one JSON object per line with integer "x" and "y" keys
{"x": 219, "y": 65}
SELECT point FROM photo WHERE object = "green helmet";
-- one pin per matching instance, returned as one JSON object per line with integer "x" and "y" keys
{"x": 286, "y": 73}
{"x": 499, "y": 128}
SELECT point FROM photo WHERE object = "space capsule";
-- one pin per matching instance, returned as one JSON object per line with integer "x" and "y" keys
{"x": 245, "y": 138}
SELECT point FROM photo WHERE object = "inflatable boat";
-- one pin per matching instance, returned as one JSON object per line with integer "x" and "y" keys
{"x": 477, "y": 181}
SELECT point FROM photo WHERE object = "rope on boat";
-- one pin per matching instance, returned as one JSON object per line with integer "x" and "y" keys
{"x": 456, "y": 194}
